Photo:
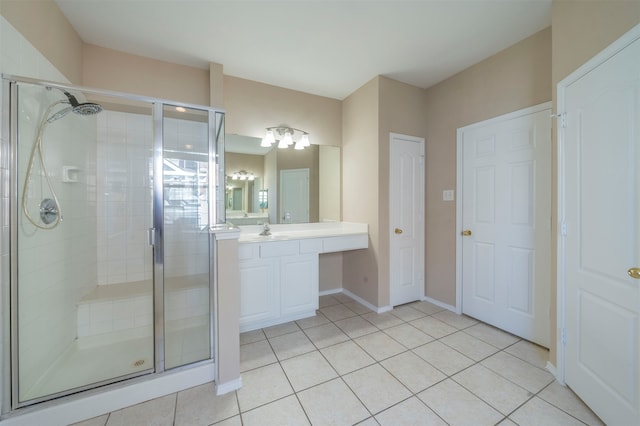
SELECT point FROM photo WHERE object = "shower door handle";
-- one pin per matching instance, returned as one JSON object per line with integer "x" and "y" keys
{"x": 151, "y": 236}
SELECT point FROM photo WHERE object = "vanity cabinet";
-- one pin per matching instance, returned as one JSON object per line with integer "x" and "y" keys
{"x": 278, "y": 283}
{"x": 279, "y": 277}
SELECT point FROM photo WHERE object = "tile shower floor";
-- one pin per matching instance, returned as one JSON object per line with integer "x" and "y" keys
{"x": 415, "y": 365}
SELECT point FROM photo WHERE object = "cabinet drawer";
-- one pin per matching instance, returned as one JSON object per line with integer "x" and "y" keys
{"x": 313, "y": 245}
{"x": 279, "y": 248}
{"x": 349, "y": 242}
{"x": 248, "y": 251}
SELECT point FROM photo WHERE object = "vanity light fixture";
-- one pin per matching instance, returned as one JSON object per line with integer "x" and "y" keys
{"x": 242, "y": 175}
{"x": 284, "y": 136}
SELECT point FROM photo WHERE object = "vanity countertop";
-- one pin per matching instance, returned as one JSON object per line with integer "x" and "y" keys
{"x": 300, "y": 231}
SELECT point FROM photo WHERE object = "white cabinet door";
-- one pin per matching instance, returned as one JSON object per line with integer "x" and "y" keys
{"x": 299, "y": 284}
{"x": 259, "y": 291}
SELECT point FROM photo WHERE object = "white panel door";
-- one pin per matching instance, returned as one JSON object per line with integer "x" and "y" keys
{"x": 294, "y": 196}
{"x": 406, "y": 214}
{"x": 506, "y": 222}
{"x": 601, "y": 201}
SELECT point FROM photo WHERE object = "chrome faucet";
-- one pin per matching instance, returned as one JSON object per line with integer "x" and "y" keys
{"x": 266, "y": 229}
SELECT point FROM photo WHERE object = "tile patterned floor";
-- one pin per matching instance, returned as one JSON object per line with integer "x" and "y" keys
{"x": 416, "y": 365}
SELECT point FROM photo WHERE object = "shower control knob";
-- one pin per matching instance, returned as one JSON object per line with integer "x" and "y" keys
{"x": 48, "y": 211}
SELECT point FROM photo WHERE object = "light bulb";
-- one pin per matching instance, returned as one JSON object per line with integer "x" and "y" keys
{"x": 269, "y": 138}
{"x": 299, "y": 145}
{"x": 282, "y": 143}
{"x": 305, "y": 140}
{"x": 287, "y": 138}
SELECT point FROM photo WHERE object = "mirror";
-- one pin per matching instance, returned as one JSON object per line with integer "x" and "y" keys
{"x": 280, "y": 185}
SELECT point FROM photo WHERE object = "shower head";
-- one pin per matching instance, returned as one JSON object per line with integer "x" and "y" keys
{"x": 85, "y": 108}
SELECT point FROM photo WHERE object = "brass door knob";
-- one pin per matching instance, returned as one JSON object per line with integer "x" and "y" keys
{"x": 466, "y": 233}
{"x": 634, "y": 273}
{"x": 398, "y": 231}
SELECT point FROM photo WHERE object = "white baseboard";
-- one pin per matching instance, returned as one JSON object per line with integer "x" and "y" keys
{"x": 332, "y": 291}
{"x": 98, "y": 402}
{"x": 368, "y": 305}
{"x": 552, "y": 369}
{"x": 439, "y": 303}
{"x": 227, "y": 387}
{"x": 276, "y": 321}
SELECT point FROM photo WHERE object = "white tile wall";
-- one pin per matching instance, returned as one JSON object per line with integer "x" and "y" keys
{"x": 124, "y": 203}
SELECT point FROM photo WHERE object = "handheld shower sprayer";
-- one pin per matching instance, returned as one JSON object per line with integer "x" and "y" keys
{"x": 50, "y": 209}
{"x": 85, "y": 108}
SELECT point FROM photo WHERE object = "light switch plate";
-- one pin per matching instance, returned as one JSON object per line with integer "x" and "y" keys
{"x": 447, "y": 195}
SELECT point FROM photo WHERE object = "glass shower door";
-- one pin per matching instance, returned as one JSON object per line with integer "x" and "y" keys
{"x": 187, "y": 296}
{"x": 82, "y": 289}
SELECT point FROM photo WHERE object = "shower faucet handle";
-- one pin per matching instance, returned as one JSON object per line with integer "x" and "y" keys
{"x": 49, "y": 211}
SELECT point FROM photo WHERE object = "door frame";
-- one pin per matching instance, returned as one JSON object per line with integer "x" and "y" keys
{"x": 610, "y": 51}
{"x": 459, "y": 184}
{"x": 421, "y": 243}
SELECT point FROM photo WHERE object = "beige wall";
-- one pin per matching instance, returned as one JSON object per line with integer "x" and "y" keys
{"x": 515, "y": 78}
{"x": 251, "y": 107}
{"x": 48, "y": 30}
{"x": 330, "y": 275}
{"x": 113, "y": 70}
{"x": 228, "y": 308}
{"x": 360, "y": 190}
{"x": 581, "y": 29}
{"x": 248, "y": 162}
{"x": 369, "y": 115}
{"x": 216, "y": 85}
{"x": 330, "y": 183}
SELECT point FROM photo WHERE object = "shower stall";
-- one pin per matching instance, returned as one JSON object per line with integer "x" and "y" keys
{"x": 111, "y": 199}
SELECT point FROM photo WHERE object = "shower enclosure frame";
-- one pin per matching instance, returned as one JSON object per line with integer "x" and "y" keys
{"x": 9, "y": 279}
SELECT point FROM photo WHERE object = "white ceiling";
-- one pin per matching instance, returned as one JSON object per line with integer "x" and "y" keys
{"x": 328, "y": 48}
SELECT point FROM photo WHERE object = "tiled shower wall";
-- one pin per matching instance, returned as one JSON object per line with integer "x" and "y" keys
{"x": 124, "y": 207}
{"x": 125, "y": 201}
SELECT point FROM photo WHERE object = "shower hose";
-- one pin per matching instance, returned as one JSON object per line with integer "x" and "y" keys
{"x": 37, "y": 149}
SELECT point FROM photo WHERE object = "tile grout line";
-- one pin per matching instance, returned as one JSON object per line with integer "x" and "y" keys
{"x": 378, "y": 362}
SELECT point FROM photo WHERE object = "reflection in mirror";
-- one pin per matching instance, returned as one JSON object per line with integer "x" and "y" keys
{"x": 280, "y": 185}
